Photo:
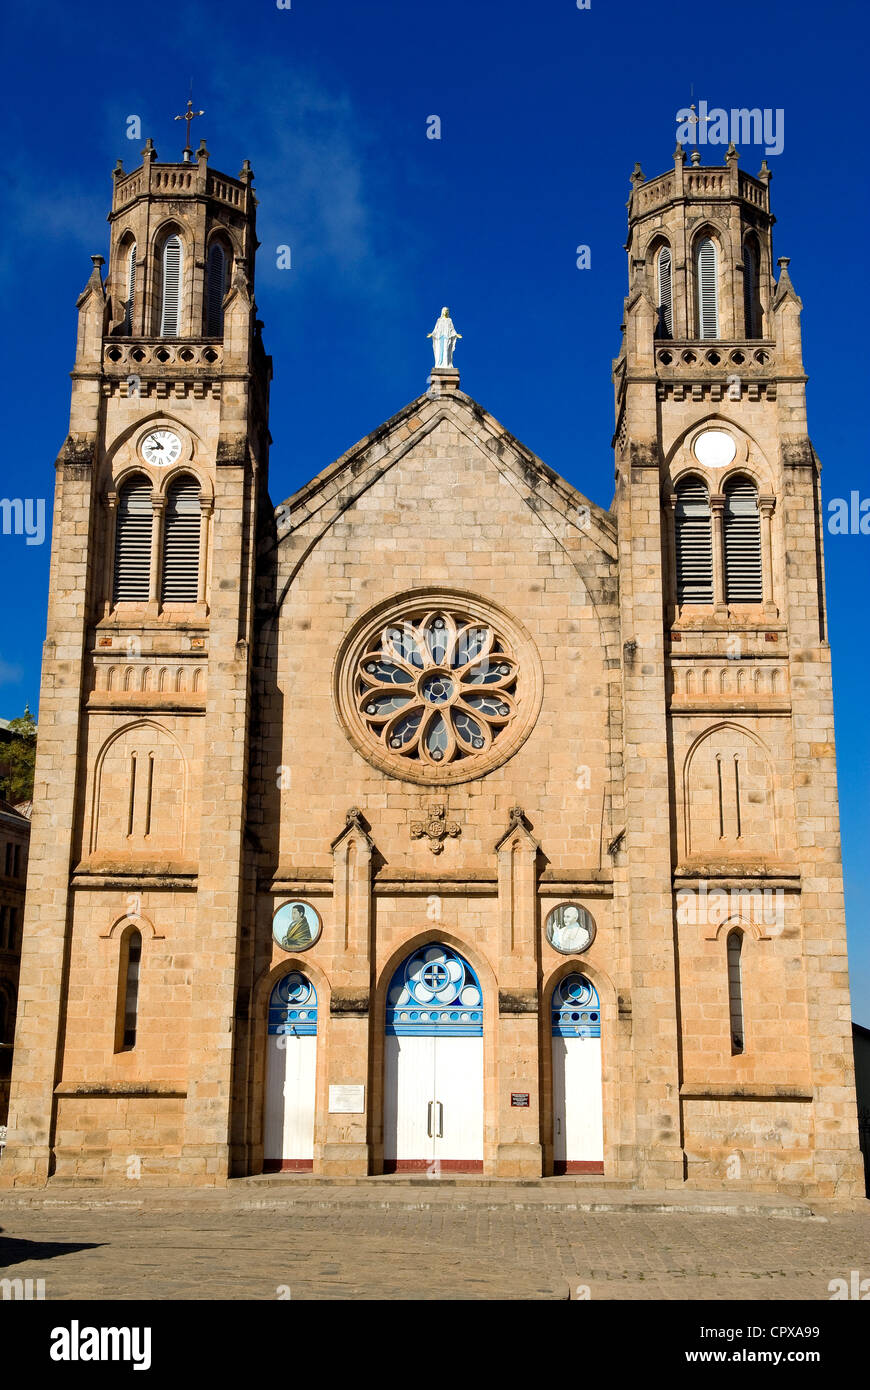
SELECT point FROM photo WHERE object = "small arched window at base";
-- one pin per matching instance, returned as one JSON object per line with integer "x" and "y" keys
{"x": 128, "y": 991}
{"x": 735, "y": 993}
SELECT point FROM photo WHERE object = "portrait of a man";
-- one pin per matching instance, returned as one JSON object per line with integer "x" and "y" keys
{"x": 296, "y": 926}
{"x": 570, "y": 929}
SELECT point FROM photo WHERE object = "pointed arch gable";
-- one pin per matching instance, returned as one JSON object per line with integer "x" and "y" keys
{"x": 139, "y": 920}
{"x": 435, "y": 936}
{"x": 580, "y": 965}
{"x": 505, "y": 455}
{"x": 750, "y": 458}
{"x": 171, "y": 475}
{"x": 268, "y": 979}
{"x": 99, "y": 764}
{"x": 698, "y": 743}
{"x": 738, "y": 921}
{"x": 121, "y": 455}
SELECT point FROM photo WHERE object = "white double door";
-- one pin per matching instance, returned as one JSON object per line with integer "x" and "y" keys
{"x": 578, "y": 1128}
{"x": 433, "y": 1103}
{"x": 291, "y": 1071}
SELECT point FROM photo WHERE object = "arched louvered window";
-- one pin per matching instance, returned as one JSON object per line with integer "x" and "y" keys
{"x": 181, "y": 529}
{"x": 707, "y": 288}
{"x": 664, "y": 294}
{"x": 130, "y": 270}
{"x": 751, "y": 303}
{"x": 133, "y": 542}
{"x": 131, "y": 958}
{"x": 694, "y": 542}
{"x": 217, "y": 287}
{"x": 742, "y": 542}
{"x": 735, "y": 991}
{"x": 170, "y": 303}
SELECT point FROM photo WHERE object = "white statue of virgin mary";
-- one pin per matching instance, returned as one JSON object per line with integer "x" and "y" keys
{"x": 444, "y": 338}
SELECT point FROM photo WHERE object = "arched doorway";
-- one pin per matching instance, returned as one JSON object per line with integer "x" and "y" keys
{"x": 578, "y": 1127}
{"x": 433, "y": 1091}
{"x": 291, "y": 1068}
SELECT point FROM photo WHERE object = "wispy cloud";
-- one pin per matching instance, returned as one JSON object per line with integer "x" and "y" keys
{"x": 9, "y": 675}
{"x": 312, "y": 151}
{"x": 72, "y": 213}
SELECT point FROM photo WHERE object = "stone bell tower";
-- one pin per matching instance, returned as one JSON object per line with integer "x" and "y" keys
{"x": 728, "y": 698}
{"x": 141, "y": 776}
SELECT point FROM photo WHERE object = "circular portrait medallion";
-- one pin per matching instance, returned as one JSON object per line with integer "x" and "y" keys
{"x": 570, "y": 929}
{"x": 296, "y": 926}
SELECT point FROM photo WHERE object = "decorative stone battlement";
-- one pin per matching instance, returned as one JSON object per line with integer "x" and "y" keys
{"x": 696, "y": 182}
{"x": 193, "y": 180}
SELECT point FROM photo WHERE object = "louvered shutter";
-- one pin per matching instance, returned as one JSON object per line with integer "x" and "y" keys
{"x": 742, "y": 543}
{"x": 170, "y": 316}
{"x": 215, "y": 299}
{"x": 133, "y": 543}
{"x": 750, "y": 293}
{"x": 181, "y": 543}
{"x": 131, "y": 290}
{"x": 708, "y": 290}
{"x": 694, "y": 537}
{"x": 665, "y": 324}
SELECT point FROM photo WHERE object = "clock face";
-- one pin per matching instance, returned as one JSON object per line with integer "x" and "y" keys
{"x": 161, "y": 447}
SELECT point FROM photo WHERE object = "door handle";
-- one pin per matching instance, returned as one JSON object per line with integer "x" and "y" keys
{"x": 440, "y": 1133}
{"x": 558, "y": 1124}
{"x": 429, "y": 1118}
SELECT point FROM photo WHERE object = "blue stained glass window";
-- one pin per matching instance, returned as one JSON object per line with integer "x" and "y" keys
{"x": 293, "y": 1006}
{"x": 435, "y": 992}
{"x": 576, "y": 1008}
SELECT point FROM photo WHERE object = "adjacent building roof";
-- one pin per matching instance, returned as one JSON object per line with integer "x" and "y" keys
{"x": 16, "y": 813}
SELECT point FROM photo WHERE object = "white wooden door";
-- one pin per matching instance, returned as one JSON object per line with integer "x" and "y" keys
{"x": 408, "y": 1099}
{"x": 433, "y": 1108}
{"x": 578, "y": 1128}
{"x": 458, "y": 1095}
{"x": 291, "y": 1072}
{"x": 433, "y": 1067}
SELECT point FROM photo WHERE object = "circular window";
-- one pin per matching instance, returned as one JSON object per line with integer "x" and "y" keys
{"x": 714, "y": 448}
{"x": 438, "y": 688}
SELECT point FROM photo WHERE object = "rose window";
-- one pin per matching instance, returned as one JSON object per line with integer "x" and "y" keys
{"x": 438, "y": 687}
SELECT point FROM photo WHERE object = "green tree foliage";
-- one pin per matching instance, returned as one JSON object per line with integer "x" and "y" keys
{"x": 17, "y": 758}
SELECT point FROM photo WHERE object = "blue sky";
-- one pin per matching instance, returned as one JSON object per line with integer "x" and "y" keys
{"x": 544, "y": 109}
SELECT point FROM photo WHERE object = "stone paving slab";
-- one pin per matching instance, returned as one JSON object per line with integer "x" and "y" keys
{"x": 224, "y": 1246}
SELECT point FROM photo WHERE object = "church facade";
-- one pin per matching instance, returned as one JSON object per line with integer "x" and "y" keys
{"x": 437, "y": 820}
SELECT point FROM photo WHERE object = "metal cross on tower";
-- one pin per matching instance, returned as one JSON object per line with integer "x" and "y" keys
{"x": 189, "y": 116}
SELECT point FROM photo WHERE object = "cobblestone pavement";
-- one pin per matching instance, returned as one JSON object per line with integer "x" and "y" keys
{"x": 340, "y": 1244}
